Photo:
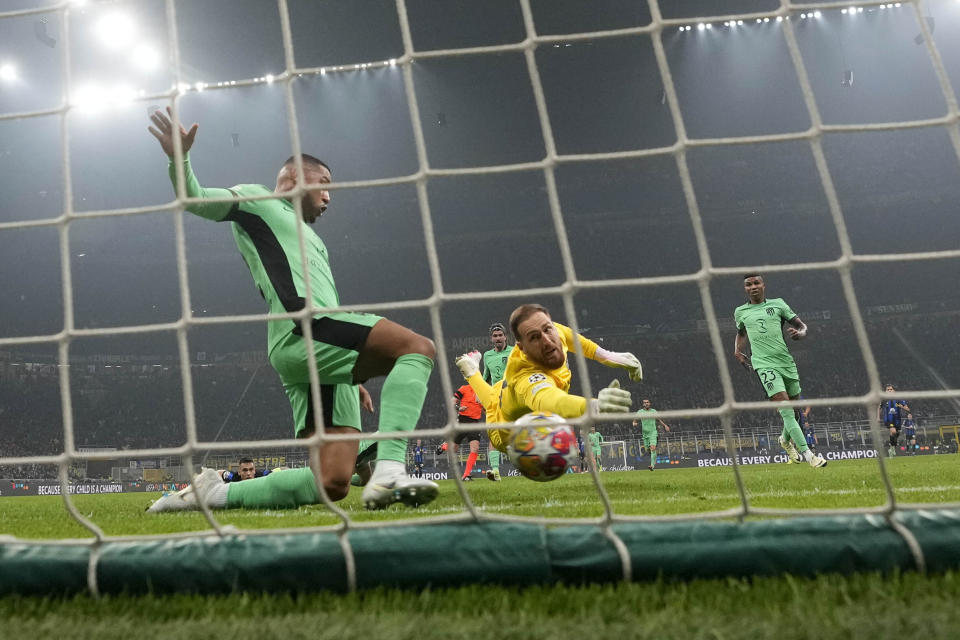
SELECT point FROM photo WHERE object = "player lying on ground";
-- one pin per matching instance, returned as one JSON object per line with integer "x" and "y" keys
{"x": 348, "y": 348}
{"x": 759, "y": 325}
{"x": 537, "y": 377}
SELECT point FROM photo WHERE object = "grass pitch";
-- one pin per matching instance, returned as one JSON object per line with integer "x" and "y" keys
{"x": 842, "y": 484}
{"x": 860, "y": 606}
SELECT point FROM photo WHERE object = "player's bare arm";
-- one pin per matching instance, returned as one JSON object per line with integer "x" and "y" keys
{"x": 740, "y": 345}
{"x": 797, "y": 329}
{"x": 663, "y": 424}
{"x": 164, "y": 132}
{"x": 366, "y": 401}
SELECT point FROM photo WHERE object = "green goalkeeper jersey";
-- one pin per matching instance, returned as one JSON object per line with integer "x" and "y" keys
{"x": 266, "y": 234}
{"x": 648, "y": 420}
{"x": 495, "y": 364}
{"x": 764, "y": 326}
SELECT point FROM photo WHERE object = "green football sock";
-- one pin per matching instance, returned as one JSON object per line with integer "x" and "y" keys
{"x": 493, "y": 457}
{"x": 279, "y": 490}
{"x": 653, "y": 458}
{"x": 401, "y": 401}
{"x": 791, "y": 429}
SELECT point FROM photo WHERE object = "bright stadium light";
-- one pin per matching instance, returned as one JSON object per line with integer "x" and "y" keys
{"x": 740, "y": 22}
{"x": 145, "y": 57}
{"x": 859, "y": 9}
{"x": 817, "y": 14}
{"x": 88, "y": 98}
{"x": 269, "y": 78}
{"x": 759, "y": 20}
{"x": 766, "y": 19}
{"x": 8, "y": 72}
{"x": 709, "y": 25}
{"x": 393, "y": 62}
{"x": 779, "y": 18}
{"x": 803, "y": 16}
{"x": 843, "y": 10}
{"x": 700, "y": 26}
{"x": 116, "y": 30}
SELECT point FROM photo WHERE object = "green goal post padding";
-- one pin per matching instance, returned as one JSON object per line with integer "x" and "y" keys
{"x": 443, "y": 555}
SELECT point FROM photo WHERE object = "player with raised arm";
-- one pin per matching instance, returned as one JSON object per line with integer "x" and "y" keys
{"x": 537, "y": 377}
{"x": 759, "y": 325}
{"x": 648, "y": 421}
{"x": 890, "y": 413}
{"x": 494, "y": 366}
{"x": 348, "y": 348}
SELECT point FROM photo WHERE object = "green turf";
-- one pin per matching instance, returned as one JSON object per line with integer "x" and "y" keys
{"x": 861, "y": 606}
{"x": 850, "y": 483}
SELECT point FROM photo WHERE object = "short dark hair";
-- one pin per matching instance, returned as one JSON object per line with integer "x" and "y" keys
{"x": 246, "y": 460}
{"x": 523, "y": 312}
{"x": 753, "y": 275}
{"x": 497, "y": 326}
{"x": 307, "y": 160}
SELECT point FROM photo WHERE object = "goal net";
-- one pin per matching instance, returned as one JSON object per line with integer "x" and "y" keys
{"x": 624, "y": 164}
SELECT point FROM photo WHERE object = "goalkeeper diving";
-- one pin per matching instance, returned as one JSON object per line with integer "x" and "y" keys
{"x": 537, "y": 377}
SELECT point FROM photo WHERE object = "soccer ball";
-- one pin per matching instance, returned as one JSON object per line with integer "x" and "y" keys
{"x": 544, "y": 448}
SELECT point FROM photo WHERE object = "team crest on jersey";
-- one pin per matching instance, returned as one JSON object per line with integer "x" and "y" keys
{"x": 537, "y": 377}
{"x": 771, "y": 311}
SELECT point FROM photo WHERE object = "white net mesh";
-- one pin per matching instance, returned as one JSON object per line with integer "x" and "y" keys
{"x": 551, "y": 163}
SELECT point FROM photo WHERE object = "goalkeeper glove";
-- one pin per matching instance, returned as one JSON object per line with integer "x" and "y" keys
{"x": 469, "y": 364}
{"x": 612, "y": 399}
{"x": 625, "y": 360}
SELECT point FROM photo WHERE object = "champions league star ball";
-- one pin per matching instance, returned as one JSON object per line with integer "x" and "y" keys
{"x": 544, "y": 448}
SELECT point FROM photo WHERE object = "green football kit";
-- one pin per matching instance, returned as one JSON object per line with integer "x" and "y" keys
{"x": 770, "y": 358}
{"x": 648, "y": 426}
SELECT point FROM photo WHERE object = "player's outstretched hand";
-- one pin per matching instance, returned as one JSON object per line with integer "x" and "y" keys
{"x": 366, "y": 401}
{"x": 469, "y": 364}
{"x": 621, "y": 360}
{"x": 743, "y": 359}
{"x": 613, "y": 399}
{"x": 796, "y": 334}
{"x": 164, "y": 132}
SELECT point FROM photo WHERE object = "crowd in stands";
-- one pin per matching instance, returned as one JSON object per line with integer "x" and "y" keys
{"x": 140, "y": 407}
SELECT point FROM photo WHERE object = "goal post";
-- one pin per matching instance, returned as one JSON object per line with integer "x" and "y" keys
{"x": 613, "y": 455}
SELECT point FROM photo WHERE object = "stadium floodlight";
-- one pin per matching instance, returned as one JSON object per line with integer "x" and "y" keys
{"x": 393, "y": 62}
{"x": 145, "y": 57}
{"x": 8, "y": 72}
{"x": 323, "y": 71}
{"x": 759, "y": 20}
{"x": 89, "y": 98}
{"x": 269, "y": 78}
{"x": 817, "y": 14}
{"x": 116, "y": 30}
{"x": 709, "y": 25}
{"x": 803, "y": 16}
{"x": 843, "y": 10}
{"x": 766, "y": 19}
{"x": 859, "y": 9}
{"x": 779, "y": 18}
{"x": 700, "y": 26}
{"x": 740, "y": 22}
